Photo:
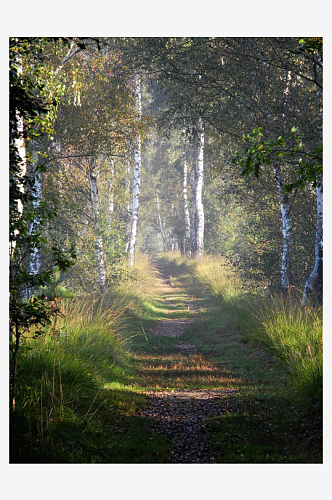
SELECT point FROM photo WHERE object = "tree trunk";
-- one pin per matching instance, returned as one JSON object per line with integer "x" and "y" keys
{"x": 128, "y": 213}
{"x": 137, "y": 180}
{"x": 186, "y": 209}
{"x": 199, "y": 192}
{"x": 193, "y": 190}
{"x": 313, "y": 290}
{"x": 99, "y": 242}
{"x": 35, "y": 257}
{"x": 285, "y": 205}
{"x": 110, "y": 207}
{"x": 19, "y": 144}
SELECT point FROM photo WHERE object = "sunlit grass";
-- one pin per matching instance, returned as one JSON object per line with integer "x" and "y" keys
{"x": 90, "y": 379}
{"x": 294, "y": 335}
{"x": 78, "y": 377}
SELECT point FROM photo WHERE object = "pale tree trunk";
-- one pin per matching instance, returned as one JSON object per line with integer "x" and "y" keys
{"x": 110, "y": 208}
{"x": 137, "y": 180}
{"x": 128, "y": 219}
{"x": 99, "y": 242}
{"x": 186, "y": 209}
{"x": 199, "y": 193}
{"x": 193, "y": 190}
{"x": 285, "y": 206}
{"x": 35, "y": 258}
{"x": 313, "y": 290}
{"x": 19, "y": 144}
{"x": 160, "y": 223}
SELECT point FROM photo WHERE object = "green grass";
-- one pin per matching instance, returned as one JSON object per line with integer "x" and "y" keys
{"x": 76, "y": 392}
{"x": 79, "y": 392}
{"x": 294, "y": 335}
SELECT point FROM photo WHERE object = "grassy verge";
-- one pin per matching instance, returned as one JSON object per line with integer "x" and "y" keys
{"x": 77, "y": 392}
{"x": 271, "y": 420}
{"x": 294, "y": 335}
{"x": 80, "y": 392}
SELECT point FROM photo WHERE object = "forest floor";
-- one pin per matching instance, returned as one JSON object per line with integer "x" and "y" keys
{"x": 216, "y": 398}
{"x": 189, "y": 389}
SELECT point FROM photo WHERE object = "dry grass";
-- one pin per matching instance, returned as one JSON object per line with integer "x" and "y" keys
{"x": 182, "y": 371}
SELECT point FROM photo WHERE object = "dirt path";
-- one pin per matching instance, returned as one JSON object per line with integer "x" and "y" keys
{"x": 218, "y": 399}
{"x": 182, "y": 413}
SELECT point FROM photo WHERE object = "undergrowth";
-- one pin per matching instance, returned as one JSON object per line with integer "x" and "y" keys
{"x": 80, "y": 384}
{"x": 76, "y": 384}
{"x": 294, "y": 335}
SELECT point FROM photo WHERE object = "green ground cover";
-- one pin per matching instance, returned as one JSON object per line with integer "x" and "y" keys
{"x": 80, "y": 393}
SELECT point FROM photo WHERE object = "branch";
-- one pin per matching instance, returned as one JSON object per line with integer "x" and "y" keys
{"x": 86, "y": 155}
{"x": 70, "y": 55}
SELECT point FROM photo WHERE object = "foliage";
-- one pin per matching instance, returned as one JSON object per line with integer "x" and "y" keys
{"x": 257, "y": 152}
{"x": 27, "y": 217}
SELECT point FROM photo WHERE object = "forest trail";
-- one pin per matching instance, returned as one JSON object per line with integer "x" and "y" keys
{"x": 216, "y": 398}
{"x": 194, "y": 389}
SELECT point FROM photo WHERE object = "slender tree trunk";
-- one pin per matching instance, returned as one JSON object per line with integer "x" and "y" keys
{"x": 186, "y": 209}
{"x": 285, "y": 205}
{"x": 199, "y": 193}
{"x": 193, "y": 190}
{"x": 99, "y": 242}
{"x": 128, "y": 219}
{"x": 110, "y": 208}
{"x": 19, "y": 143}
{"x": 313, "y": 289}
{"x": 35, "y": 258}
{"x": 137, "y": 180}
{"x": 160, "y": 223}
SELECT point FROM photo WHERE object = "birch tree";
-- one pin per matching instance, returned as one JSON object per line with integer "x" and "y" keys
{"x": 285, "y": 206}
{"x": 193, "y": 190}
{"x": 101, "y": 270}
{"x": 199, "y": 192}
{"x": 313, "y": 289}
{"x": 137, "y": 178}
{"x": 185, "y": 204}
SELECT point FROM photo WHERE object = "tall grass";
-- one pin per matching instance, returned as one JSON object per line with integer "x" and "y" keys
{"x": 139, "y": 284}
{"x": 62, "y": 377}
{"x": 217, "y": 276}
{"x": 295, "y": 336}
{"x": 291, "y": 333}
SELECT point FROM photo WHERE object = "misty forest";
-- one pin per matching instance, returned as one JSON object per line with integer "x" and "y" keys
{"x": 166, "y": 250}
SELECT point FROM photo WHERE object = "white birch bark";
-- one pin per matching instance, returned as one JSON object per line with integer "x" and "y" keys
{"x": 314, "y": 286}
{"x": 285, "y": 206}
{"x": 110, "y": 208}
{"x": 199, "y": 193}
{"x": 101, "y": 270}
{"x": 19, "y": 144}
{"x": 128, "y": 204}
{"x": 137, "y": 180}
{"x": 193, "y": 190}
{"x": 186, "y": 209}
{"x": 35, "y": 258}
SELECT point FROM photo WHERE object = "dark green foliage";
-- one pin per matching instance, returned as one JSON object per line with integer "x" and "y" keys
{"x": 307, "y": 162}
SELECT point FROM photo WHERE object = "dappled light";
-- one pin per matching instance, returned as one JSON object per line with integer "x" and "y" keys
{"x": 166, "y": 249}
